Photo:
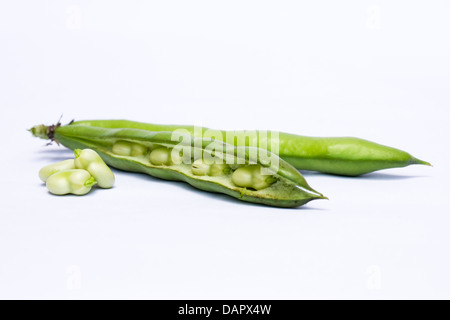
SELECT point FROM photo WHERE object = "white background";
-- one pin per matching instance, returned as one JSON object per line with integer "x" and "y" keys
{"x": 378, "y": 70}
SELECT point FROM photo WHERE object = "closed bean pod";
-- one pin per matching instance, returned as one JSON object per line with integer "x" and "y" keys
{"x": 90, "y": 161}
{"x": 337, "y": 155}
{"x": 51, "y": 169}
{"x": 75, "y": 181}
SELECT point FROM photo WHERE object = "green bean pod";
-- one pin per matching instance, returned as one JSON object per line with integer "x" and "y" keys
{"x": 341, "y": 156}
{"x": 285, "y": 186}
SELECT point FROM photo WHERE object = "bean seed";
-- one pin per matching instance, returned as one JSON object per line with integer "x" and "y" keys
{"x": 251, "y": 177}
{"x": 160, "y": 156}
{"x": 90, "y": 161}
{"x": 74, "y": 181}
{"x": 51, "y": 169}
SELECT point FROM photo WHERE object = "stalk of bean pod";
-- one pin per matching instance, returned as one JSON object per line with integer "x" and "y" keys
{"x": 345, "y": 156}
{"x": 275, "y": 183}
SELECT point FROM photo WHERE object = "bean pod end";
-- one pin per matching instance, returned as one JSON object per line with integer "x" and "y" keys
{"x": 418, "y": 161}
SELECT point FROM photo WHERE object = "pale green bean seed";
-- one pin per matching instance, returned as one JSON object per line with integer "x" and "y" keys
{"x": 90, "y": 161}
{"x": 242, "y": 177}
{"x": 251, "y": 177}
{"x": 126, "y": 148}
{"x": 74, "y": 181}
{"x": 262, "y": 181}
{"x": 51, "y": 169}
{"x": 177, "y": 156}
{"x": 122, "y": 148}
{"x": 160, "y": 156}
{"x": 199, "y": 168}
{"x": 138, "y": 150}
{"x": 218, "y": 169}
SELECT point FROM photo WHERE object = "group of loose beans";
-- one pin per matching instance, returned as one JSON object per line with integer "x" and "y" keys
{"x": 77, "y": 176}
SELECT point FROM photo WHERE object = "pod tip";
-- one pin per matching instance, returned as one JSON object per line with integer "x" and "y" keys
{"x": 319, "y": 196}
{"x": 418, "y": 161}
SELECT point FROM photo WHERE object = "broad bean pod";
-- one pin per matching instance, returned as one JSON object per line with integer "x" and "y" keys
{"x": 345, "y": 156}
{"x": 160, "y": 158}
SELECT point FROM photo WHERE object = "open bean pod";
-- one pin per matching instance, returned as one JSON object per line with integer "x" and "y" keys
{"x": 248, "y": 174}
